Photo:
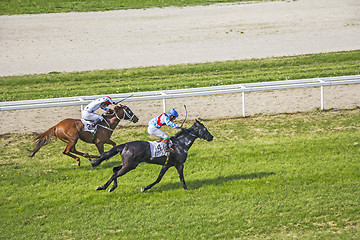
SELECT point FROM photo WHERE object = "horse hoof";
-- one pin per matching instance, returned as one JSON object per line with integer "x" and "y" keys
{"x": 111, "y": 189}
{"x": 142, "y": 189}
{"x": 98, "y": 188}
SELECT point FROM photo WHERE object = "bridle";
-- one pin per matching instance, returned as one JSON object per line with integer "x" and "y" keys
{"x": 125, "y": 114}
{"x": 117, "y": 116}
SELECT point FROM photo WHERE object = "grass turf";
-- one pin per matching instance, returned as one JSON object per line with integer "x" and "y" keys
{"x": 282, "y": 176}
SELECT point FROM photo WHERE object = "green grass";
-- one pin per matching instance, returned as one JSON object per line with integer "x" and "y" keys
{"x": 10, "y": 7}
{"x": 288, "y": 176}
{"x": 178, "y": 76}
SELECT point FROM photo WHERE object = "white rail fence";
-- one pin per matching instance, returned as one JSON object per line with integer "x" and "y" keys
{"x": 189, "y": 92}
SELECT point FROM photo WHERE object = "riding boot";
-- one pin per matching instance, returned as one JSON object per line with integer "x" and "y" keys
{"x": 167, "y": 148}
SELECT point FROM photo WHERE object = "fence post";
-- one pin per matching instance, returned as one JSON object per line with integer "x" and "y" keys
{"x": 82, "y": 106}
{"x": 321, "y": 95}
{"x": 164, "y": 102}
{"x": 243, "y": 101}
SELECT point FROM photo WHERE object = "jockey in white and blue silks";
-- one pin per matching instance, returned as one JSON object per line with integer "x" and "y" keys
{"x": 163, "y": 119}
{"x": 89, "y": 111}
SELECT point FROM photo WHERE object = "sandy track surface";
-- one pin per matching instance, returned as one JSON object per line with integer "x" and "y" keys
{"x": 215, "y": 106}
{"x": 119, "y": 39}
{"x": 133, "y": 38}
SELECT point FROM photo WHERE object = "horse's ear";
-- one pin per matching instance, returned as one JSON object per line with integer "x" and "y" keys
{"x": 196, "y": 120}
{"x": 118, "y": 106}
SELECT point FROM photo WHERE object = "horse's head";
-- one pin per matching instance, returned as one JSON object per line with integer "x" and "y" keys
{"x": 124, "y": 112}
{"x": 201, "y": 131}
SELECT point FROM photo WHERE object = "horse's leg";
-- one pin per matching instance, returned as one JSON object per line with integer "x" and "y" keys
{"x": 180, "y": 170}
{"x": 100, "y": 147}
{"x": 85, "y": 155}
{"x": 115, "y": 170}
{"x": 161, "y": 174}
{"x": 118, "y": 171}
{"x": 110, "y": 180}
{"x": 67, "y": 151}
{"x": 70, "y": 136}
{"x": 106, "y": 155}
{"x": 112, "y": 143}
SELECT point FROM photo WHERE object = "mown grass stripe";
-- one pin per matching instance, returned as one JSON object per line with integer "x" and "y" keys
{"x": 178, "y": 76}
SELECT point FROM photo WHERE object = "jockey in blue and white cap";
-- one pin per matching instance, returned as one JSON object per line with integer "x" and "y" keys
{"x": 163, "y": 119}
{"x": 89, "y": 111}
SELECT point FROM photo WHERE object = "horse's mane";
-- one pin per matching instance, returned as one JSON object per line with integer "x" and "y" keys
{"x": 182, "y": 132}
{"x": 108, "y": 116}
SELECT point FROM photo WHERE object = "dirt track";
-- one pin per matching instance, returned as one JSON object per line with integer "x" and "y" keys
{"x": 200, "y": 107}
{"x": 119, "y": 39}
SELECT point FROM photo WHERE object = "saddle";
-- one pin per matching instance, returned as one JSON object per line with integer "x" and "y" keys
{"x": 157, "y": 149}
{"x": 89, "y": 126}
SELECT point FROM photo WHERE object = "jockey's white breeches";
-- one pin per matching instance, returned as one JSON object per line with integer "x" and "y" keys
{"x": 91, "y": 116}
{"x": 152, "y": 130}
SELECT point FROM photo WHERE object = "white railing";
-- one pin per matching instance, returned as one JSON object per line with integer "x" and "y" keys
{"x": 189, "y": 92}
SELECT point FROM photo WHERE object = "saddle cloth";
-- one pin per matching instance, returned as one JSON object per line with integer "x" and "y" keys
{"x": 87, "y": 125}
{"x": 157, "y": 149}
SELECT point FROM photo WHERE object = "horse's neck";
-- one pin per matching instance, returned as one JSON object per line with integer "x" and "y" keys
{"x": 186, "y": 139}
{"x": 113, "y": 121}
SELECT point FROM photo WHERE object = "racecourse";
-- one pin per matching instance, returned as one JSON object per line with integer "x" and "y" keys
{"x": 274, "y": 176}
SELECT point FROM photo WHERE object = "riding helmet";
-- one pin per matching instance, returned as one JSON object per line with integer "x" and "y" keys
{"x": 173, "y": 112}
{"x": 108, "y": 100}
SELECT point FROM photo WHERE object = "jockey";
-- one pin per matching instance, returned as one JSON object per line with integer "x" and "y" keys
{"x": 163, "y": 119}
{"x": 89, "y": 114}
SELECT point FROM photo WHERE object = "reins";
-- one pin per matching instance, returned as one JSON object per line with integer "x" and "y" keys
{"x": 108, "y": 128}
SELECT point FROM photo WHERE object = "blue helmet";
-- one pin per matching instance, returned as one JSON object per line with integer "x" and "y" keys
{"x": 173, "y": 112}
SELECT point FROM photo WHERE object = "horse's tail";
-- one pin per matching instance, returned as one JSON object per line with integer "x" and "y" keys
{"x": 107, "y": 155}
{"x": 43, "y": 139}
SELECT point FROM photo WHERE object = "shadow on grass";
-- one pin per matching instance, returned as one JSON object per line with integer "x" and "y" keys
{"x": 196, "y": 184}
{"x": 191, "y": 184}
{"x": 116, "y": 161}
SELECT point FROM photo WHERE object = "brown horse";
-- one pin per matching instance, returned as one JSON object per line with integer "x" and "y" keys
{"x": 70, "y": 130}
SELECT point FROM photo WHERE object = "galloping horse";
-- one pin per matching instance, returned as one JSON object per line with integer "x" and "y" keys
{"x": 133, "y": 153}
{"x": 70, "y": 130}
